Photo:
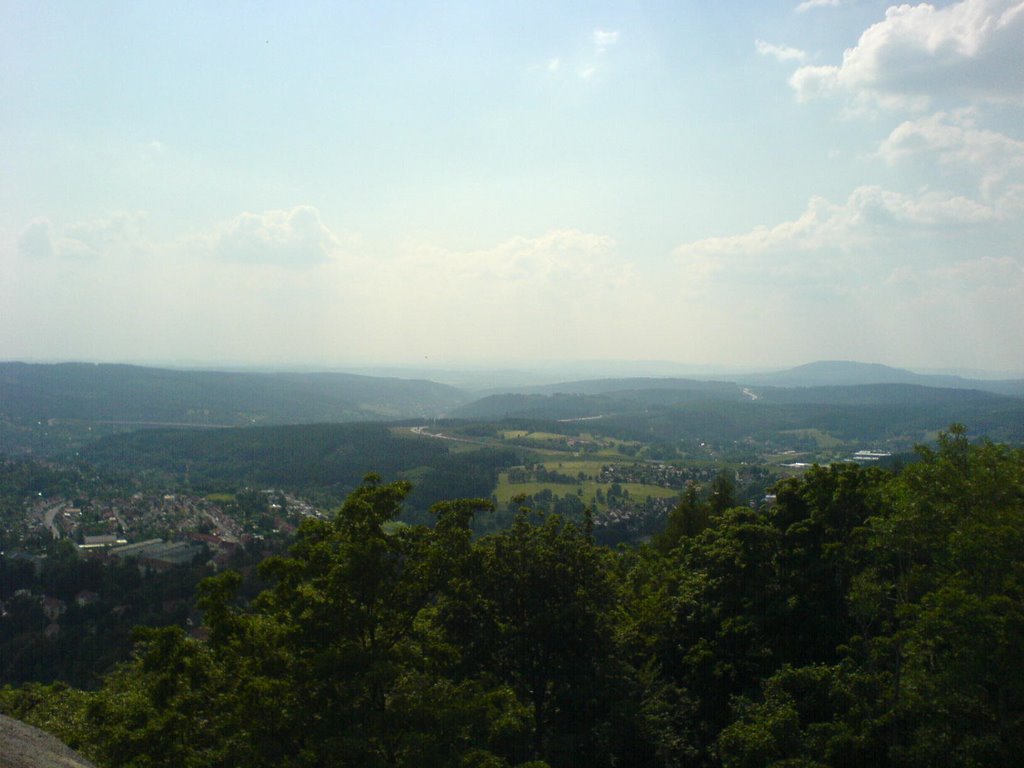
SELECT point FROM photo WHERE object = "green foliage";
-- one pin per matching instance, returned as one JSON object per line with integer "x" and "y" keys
{"x": 535, "y": 616}
{"x": 93, "y": 637}
{"x": 87, "y": 392}
{"x": 863, "y": 619}
{"x": 934, "y": 615}
{"x": 57, "y": 708}
{"x": 689, "y": 518}
{"x": 306, "y": 455}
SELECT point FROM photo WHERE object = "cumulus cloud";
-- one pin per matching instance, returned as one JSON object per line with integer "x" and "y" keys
{"x": 826, "y": 246}
{"x": 780, "y": 52}
{"x": 955, "y": 142}
{"x": 868, "y": 209}
{"x": 85, "y": 239}
{"x": 291, "y": 238}
{"x": 294, "y": 237}
{"x": 500, "y": 301}
{"x": 965, "y": 153}
{"x": 97, "y": 236}
{"x": 919, "y": 52}
{"x": 520, "y": 271}
{"x": 548, "y": 262}
{"x": 845, "y": 274}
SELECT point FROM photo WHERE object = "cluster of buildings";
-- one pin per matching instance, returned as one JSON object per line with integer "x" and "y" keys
{"x": 663, "y": 475}
{"x": 101, "y": 523}
{"x": 151, "y": 555}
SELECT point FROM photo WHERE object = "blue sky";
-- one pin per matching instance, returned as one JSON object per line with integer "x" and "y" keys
{"x": 331, "y": 184}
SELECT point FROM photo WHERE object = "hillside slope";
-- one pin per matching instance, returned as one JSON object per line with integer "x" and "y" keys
{"x": 86, "y": 392}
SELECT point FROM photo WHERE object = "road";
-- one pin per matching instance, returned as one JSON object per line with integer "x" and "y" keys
{"x": 49, "y": 514}
{"x": 422, "y": 432}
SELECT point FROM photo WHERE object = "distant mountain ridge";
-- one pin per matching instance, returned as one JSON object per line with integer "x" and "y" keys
{"x": 566, "y": 406}
{"x": 826, "y": 373}
{"x": 106, "y": 392}
{"x": 608, "y": 386}
{"x": 84, "y": 409}
{"x": 139, "y": 396}
{"x": 879, "y": 394}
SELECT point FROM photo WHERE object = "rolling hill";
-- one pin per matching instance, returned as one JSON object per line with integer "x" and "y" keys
{"x": 848, "y": 373}
{"x": 126, "y": 393}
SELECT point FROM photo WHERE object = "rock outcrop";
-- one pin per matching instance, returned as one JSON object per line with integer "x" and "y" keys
{"x": 22, "y": 746}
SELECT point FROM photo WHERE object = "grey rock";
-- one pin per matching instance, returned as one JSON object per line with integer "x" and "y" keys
{"x": 22, "y": 746}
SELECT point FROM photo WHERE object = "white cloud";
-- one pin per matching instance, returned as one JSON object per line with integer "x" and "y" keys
{"x": 603, "y": 40}
{"x": 559, "y": 294}
{"x": 525, "y": 296}
{"x": 545, "y": 263}
{"x": 294, "y": 237}
{"x": 971, "y": 49}
{"x": 810, "y": 4}
{"x": 868, "y": 209}
{"x": 780, "y": 52}
{"x": 85, "y": 239}
{"x": 586, "y": 62}
{"x": 843, "y": 276}
{"x": 290, "y": 238}
{"x": 954, "y": 146}
{"x": 834, "y": 248}
{"x": 954, "y": 139}
{"x": 99, "y": 235}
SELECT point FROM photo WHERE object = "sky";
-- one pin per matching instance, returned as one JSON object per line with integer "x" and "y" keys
{"x": 756, "y": 184}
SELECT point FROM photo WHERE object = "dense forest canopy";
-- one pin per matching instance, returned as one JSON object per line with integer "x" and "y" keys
{"x": 863, "y": 618}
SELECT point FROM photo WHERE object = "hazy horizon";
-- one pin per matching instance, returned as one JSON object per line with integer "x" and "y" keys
{"x": 523, "y": 372}
{"x": 718, "y": 187}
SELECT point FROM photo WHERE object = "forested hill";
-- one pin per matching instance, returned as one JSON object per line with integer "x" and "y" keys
{"x": 692, "y": 388}
{"x": 141, "y": 396}
{"x": 126, "y": 393}
{"x": 860, "y": 618}
{"x": 831, "y": 373}
{"x": 600, "y": 397}
{"x": 330, "y": 459}
{"x": 870, "y": 412}
{"x": 883, "y": 394}
{"x": 292, "y": 455}
{"x": 56, "y": 410}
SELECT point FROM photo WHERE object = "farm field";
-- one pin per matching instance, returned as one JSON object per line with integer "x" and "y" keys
{"x": 821, "y": 438}
{"x": 637, "y": 491}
